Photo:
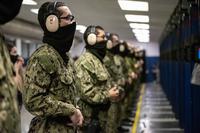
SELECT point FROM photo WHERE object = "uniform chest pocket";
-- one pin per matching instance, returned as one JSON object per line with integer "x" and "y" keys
{"x": 102, "y": 75}
{"x": 61, "y": 86}
{"x": 66, "y": 77}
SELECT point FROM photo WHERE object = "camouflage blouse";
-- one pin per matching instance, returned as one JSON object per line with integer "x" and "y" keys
{"x": 49, "y": 91}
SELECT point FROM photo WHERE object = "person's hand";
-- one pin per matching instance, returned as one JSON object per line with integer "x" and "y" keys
{"x": 136, "y": 65}
{"x": 113, "y": 93}
{"x": 77, "y": 118}
{"x": 17, "y": 67}
{"x": 80, "y": 122}
{"x": 134, "y": 75}
{"x": 19, "y": 64}
{"x": 20, "y": 60}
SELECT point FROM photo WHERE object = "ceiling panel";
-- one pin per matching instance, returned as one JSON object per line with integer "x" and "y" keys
{"x": 108, "y": 14}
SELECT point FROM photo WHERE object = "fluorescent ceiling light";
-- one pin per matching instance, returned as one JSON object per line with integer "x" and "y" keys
{"x": 143, "y": 39}
{"x": 138, "y": 31}
{"x": 81, "y": 28}
{"x": 133, "y": 5}
{"x": 138, "y": 36}
{"x": 29, "y": 2}
{"x": 142, "y": 34}
{"x": 35, "y": 11}
{"x": 139, "y": 26}
{"x": 137, "y": 18}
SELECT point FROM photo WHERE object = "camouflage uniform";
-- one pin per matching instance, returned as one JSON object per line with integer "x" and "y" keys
{"x": 9, "y": 113}
{"x": 131, "y": 88}
{"x": 121, "y": 76}
{"x": 49, "y": 92}
{"x": 113, "y": 66}
{"x": 124, "y": 102}
{"x": 94, "y": 83}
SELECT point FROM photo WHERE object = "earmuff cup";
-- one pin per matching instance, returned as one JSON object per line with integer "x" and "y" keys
{"x": 52, "y": 21}
{"x": 92, "y": 37}
{"x": 121, "y": 48}
{"x": 109, "y": 44}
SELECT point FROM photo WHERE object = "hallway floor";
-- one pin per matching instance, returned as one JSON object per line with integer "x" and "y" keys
{"x": 156, "y": 115}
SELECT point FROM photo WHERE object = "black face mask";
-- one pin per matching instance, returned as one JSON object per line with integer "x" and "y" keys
{"x": 131, "y": 54}
{"x": 115, "y": 49}
{"x": 62, "y": 39}
{"x": 14, "y": 58}
{"x": 99, "y": 49}
{"x": 125, "y": 52}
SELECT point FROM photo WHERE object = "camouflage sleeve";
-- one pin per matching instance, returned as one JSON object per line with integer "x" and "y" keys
{"x": 4, "y": 92}
{"x": 38, "y": 97}
{"x": 119, "y": 71}
{"x": 90, "y": 91}
{"x": 9, "y": 113}
{"x": 129, "y": 65}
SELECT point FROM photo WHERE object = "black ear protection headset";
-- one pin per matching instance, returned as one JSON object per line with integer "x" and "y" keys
{"x": 52, "y": 20}
{"x": 91, "y": 35}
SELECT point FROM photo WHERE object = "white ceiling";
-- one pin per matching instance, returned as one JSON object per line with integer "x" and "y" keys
{"x": 108, "y": 14}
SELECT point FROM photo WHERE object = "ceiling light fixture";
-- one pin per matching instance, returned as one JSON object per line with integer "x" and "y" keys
{"x": 142, "y": 39}
{"x": 133, "y": 5}
{"x": 29, "y": 2}
{"x": 137, "y": 18}
{"x": 139, "y": 26}
{"x": 139, "y": 31}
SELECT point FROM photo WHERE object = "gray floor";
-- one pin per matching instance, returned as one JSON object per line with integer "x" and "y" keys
{"x": 156, "y": 112}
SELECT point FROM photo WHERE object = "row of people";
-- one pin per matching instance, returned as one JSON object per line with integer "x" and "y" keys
{"x": 89, "y": 95}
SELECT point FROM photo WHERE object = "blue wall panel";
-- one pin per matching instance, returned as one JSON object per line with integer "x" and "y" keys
{"x": 195, "y": 108}
{"x": 187, "y": 98}
{"x": 150, "y": 63}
